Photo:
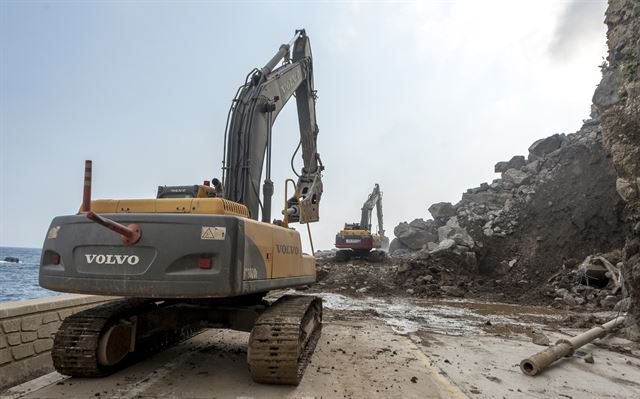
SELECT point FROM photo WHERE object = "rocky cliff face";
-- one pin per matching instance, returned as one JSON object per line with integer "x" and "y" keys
{"x": 617, "y": 100}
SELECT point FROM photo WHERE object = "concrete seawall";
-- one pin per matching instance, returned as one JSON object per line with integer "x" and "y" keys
{"x": 27, "y": 330}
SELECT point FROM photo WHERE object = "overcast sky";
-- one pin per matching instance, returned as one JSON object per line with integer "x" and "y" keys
{"x": 422, "y": 98}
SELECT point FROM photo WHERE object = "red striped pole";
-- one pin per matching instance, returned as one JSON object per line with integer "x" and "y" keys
{"x": 86, "y": 194}
{"x": 130, "y": 234}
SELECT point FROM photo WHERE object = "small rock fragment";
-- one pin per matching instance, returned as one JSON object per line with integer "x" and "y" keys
{"x": 539, "y": 338}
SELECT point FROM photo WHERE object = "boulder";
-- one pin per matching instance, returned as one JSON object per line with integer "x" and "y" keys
{"x": 532, "y": 167}
{"x": 538, "y": 338}
{"x": 396, "y": 245}
{"x": 501, "y": 166}
{"x": 446, "y": 245}
{"x": 417, "y": 234}
{"x": 628, "y": 190}
{"x": 542, "y": 147}
{"x": 516, "y": 177}
{"x": 516, "y": 162}
{"x": 453, "y": 231}
{"x": 442, "y": 211}
{"x": 488, "y": 199}
{"x": 423, "y": 224}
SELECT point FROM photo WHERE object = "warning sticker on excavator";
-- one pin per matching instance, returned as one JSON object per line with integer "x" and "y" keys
{"x": 213, "y": 233}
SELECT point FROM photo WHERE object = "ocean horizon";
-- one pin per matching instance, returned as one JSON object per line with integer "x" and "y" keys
{"x": 19, "y": 281}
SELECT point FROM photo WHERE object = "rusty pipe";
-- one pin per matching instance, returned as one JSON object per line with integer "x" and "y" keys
{"x": 129, "y": 234}
{"x": 566, "y": 347}
{"x": 86, "y": 193}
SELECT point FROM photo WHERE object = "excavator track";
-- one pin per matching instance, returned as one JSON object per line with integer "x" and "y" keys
{"x": 75, "y": 349}
{"x": 283, "y": 340}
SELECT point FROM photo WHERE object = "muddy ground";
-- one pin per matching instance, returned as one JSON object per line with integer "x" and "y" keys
{"x": 414, "y": 277}
{"x": 384, "y": 346}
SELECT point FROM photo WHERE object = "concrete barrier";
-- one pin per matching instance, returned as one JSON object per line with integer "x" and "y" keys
{"x": 27, "y": 330}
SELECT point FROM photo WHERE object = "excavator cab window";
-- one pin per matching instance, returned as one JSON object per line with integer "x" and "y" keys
{"x": 352, "y": 226}
{"x": 177, "y": 191}
{"x": 176, "y": 195}
{"x": 195, "y": 191}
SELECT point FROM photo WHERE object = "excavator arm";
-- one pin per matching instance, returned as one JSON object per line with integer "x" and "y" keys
{"x": 248, "y": 138}
{"x": 374, "y": 200}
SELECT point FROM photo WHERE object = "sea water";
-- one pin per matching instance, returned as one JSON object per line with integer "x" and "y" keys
{"x": 19, "y": 281}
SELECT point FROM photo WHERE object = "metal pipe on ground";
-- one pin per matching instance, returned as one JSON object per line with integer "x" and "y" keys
{"x": 566, "y": 347}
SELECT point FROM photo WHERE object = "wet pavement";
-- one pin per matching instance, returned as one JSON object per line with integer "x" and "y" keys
{"x": 382, "y": 348}
{"x": 449, "y": 317}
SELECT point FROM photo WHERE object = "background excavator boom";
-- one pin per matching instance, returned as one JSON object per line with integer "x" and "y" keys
{"x": 374, "y": 200}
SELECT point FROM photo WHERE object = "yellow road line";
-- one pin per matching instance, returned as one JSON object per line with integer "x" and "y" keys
{"x": 444, "y": 383}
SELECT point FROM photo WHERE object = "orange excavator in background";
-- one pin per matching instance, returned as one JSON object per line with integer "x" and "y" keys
{"x": 356, "y": 239}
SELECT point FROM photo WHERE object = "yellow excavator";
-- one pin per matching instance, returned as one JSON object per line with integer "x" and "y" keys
{"x": 197, "y": 256}
{"x": 356, "y": 239}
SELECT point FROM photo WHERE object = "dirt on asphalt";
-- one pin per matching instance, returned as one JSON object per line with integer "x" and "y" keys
{"x": 383, "y": 347}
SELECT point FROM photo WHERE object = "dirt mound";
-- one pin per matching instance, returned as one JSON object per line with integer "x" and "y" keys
{"x": 357, "y": 277}
{"x": 571, "y": 211}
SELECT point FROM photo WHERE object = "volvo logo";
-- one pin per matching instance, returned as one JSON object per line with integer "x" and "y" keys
{"x": 290, "y": 83}
{"x": 287, "y": 249}
{"x": 112, "y": 259}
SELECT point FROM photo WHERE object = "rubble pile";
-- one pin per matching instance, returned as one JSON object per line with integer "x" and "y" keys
{"x": 357, "y": 277}
{"x": 554, "y": 207}
{"x": 444, "y": 271}
{"x": 594, "y": 283}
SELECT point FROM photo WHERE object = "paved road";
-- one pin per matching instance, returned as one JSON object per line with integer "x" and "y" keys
{"x": 354, "y": 359}
{"x": 448, "y": 349}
